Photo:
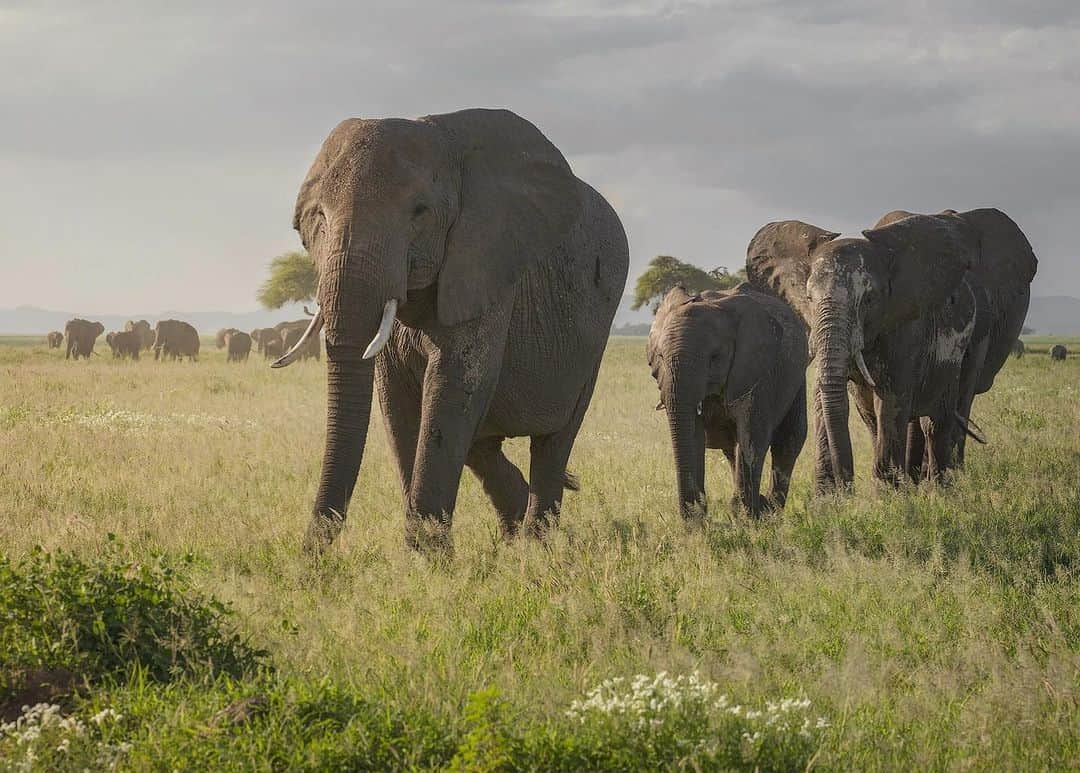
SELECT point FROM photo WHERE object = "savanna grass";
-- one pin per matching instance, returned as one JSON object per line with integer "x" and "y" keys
{"x": 930, "y": 627}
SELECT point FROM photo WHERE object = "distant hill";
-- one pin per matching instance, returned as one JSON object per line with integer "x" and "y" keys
{"x": 28, "y": 320}
{"x": 1054, "y": 315}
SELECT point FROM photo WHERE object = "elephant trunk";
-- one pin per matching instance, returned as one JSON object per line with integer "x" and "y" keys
{"x": 832, "y": 345}
{"x": 683, "y": 401}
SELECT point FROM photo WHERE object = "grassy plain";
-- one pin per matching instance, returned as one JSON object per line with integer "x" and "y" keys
{"x": 931, "y": 627}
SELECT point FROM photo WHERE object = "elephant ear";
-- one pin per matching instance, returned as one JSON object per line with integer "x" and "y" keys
{"x": 674, "y": 297}
{"x": 519, "y": 200}
{"x": 757, "y": 339}
{"x": 925, "y": 258}
{"x": 779, "y": 258}
{"x": 1006, "y": 264}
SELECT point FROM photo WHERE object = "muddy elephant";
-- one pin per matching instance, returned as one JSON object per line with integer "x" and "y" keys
{"x": 54, "y": 339}
{"x": 890, "y": 312}
{"x": 731, "y": 370}
{"x": 292, "y": 332}
{"x": 80, "y": 335}
{"x": 124, "y": 344}
{"x": 1000, "y": 280}
{"x": 1018, "y": 349}
{"x": 1058, "y": 353}
{"x": 469, "y": 276}
{"x": 238, "y": 345}
{"x": 143, "y": 330}
{"x": 174, "y": 339}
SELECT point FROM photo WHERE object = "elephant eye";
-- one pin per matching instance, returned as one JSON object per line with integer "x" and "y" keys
{"x": 419, "y": 209}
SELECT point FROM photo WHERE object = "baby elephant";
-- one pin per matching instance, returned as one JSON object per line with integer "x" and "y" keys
{"x": 239, "y": 344}
{"x": 125, "y": 343}
{"x": 55, "y": 339}
{"x": 1059, "y": 353}
{"x": 731, "y": 369}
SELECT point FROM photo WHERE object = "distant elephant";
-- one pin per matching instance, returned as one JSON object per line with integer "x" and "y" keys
{"x": 466, "y": 271}
{"x": 273, "y": 347}
{"x": 292, "y": 332}
{"x": 220, "y": 336}
{"x": 124, "y": 344}
{"x": 1058, "y": 353}
{"x": 54, "y": 339}
{"x": 175, "y": 339}
{"x": 80, "y": 336}
{"x": 1018, "y": 350}
{"x": 890, "y": 312}
{"x": 143, "y": 330}
{"x": 239, "y": 345}
{"x": 731, "y": 369}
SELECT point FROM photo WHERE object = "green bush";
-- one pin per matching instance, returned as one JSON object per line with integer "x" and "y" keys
{"x": 102, "y": 616}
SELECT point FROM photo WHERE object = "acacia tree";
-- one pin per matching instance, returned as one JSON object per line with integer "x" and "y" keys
{"x": 292, "y": 279}
{"x": 665, "y": 272}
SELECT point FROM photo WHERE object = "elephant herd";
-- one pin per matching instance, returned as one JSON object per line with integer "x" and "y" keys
{"x": 175, "y": 339}
{"x": 469, "y": 279}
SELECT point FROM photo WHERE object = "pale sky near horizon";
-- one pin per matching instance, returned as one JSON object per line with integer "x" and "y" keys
{"x": 150, "y": 152}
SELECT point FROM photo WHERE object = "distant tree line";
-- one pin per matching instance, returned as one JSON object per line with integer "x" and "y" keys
{"x": 665, "y": 272}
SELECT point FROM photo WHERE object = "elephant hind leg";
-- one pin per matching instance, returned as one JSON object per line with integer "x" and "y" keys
{"x": 502, "y": 481}
{"x": 788, "y": 440}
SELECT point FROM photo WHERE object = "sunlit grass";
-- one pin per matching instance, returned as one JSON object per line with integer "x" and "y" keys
{"x": 933, "y": 627}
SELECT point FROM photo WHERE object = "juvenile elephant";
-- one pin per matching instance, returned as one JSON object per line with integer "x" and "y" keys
{"x": 175, "y": 339}
{"x": 124, "y": 344}
{"x": 239, "y": 346}
{"x": 465, "y": 271}
{"x": 54, "y": 339}
{"x": 1058, "y": 353}
{"x": 272, "y": 348}
{"x": 292, "y": 332}
{"x": 143, "y": 330}
{"x": 80, "y": 335}
{"x": 890, "y": 312}
{"x": 221, "y": 336}
{"x": 731, "y": 369}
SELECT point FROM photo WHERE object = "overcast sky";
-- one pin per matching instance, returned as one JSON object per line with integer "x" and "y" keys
{"x": 150, "y": 154}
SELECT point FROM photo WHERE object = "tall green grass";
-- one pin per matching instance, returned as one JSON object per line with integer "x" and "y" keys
{"x": 931, "y": 627}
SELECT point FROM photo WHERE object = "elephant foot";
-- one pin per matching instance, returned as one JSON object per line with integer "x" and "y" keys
{"x": 539, "y": 525}
{"x": 429, "y": 536}
{"x": 323, "y": 529}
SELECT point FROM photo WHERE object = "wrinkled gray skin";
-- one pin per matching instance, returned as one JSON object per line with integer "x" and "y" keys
{"x": 897, "y": 297}
{"x": 1058, "y": 353}
{"x": 290, "y": 333}
{"x": 143, "y": 330}
{"x": 263, "y": 336}
{"x": 238, "y": 345}
{"x": 174, "y": 339}
{"x": 220, "y": 336}
{"x": 54, "y": 339}
{"x": 124, "y": 344}
{"x": 1018, "y": 349}
{"x": 79, "y": 336}
{"x": 1000, "y": 281}
{"x": 731, "y": 370}
{"x": 507, "y": 270}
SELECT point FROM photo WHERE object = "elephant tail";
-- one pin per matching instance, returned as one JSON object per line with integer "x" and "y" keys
{"x": 975, "y": 434}
{"x": 571, "y": 482}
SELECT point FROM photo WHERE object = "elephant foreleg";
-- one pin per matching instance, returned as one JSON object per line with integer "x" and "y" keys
{"x": 915, "y": 453}
{"x": 502, "y": 481}
{"x": 890, "y": 447}
{"x": 399, "y": 394}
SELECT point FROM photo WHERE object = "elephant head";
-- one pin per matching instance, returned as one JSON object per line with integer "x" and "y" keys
{"x": 715, "y": 345}
{"x": 850, "y": 292}
{"x": 435, "y": 218}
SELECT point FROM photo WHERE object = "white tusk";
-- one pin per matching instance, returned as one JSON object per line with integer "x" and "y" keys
{"x": 381, "y": 337}
{"x": 862, "y": 369}
{"x": 699, "y": 409}
{"x": 293, "y": 354}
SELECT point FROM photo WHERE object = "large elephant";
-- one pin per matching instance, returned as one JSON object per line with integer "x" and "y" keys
{"x": 175, "y": 339}
{"x": 142, "y": 329}
{"x": 54, "y": 339}
{"x": 124, "y": 344}
{"x": 1000, "y": 280}
{"x": 890, "y": 312}
{"x": 291, "y": 332}
{"x": 466, "y": 271}
{"x": 731, "y": 369}
{"x": 239, "y": 346}
{"x": 80, "y": 335}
